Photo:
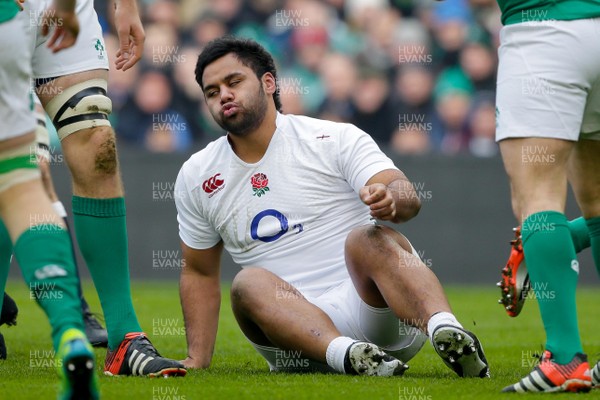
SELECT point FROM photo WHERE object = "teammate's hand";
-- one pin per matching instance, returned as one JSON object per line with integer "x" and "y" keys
{"x": 131, "y": 34}
{"x": 379, "y": 199}
{"x": 61, "y": 18}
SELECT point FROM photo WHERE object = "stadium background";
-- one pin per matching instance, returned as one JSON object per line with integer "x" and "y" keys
{"x": 417, "y": 75}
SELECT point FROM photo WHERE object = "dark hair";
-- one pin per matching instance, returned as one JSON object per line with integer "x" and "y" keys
{"x": 247, "y": 51}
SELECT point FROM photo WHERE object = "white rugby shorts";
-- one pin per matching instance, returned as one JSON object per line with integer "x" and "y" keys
{"x": 548, "y": 82}
{"x": 88, "y": 53}
{"x": 16, "y": 115}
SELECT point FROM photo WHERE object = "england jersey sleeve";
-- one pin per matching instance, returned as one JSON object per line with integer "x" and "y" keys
{"x": 360, "y": 157}
{"x": 194, "y": 230}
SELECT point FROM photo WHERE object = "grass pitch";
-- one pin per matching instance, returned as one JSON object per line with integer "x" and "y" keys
{"x": 238, "y": 372}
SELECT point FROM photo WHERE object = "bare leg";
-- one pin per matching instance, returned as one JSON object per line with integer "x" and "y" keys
{"x": 538, "y": 174}
{"x": 47, "y": 179}
{"x": 273, "y": 313}
{"x": 387, "y": 274}
{"x": 99, "y": 210}
{"x": 537, "y": 168}
{"x": 23, "y": 205}
{"x": 263, "y": 304}
{"x": 90, "y": 153}
{"x": 584, "y": 176}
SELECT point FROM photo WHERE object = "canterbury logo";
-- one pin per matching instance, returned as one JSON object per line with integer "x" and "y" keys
{"x": 212, "y": 184}
{"x": 50, "y": 271}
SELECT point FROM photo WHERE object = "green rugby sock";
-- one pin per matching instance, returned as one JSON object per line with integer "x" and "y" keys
{"x": 5, "y": 253}
{"x": 551, "y": 260}
{"x": 79, "y": 289}
{"x": 44, "y": 255}
{"x": 102, "y": 235}
{"x": 594, "y": 226}
{"x": 580, "y": 234}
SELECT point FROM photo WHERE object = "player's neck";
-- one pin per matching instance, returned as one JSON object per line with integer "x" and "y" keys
{"x": 252, "y": 147}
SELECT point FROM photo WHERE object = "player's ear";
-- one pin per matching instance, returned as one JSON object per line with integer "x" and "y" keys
{"x": 269, "y": 83}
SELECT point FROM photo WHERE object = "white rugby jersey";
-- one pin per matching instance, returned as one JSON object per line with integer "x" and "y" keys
{"x": 290, "y": 212}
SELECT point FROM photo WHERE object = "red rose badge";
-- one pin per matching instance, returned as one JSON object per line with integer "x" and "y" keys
{"x": 259, "y": 184}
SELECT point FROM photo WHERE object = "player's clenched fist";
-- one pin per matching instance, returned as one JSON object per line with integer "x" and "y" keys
{"x": 380, "y": 200}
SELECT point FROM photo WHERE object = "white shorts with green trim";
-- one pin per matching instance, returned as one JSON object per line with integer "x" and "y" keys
{"x": 18, "y": 165}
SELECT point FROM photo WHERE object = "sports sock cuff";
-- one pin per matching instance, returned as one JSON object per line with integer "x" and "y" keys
{"x": 114, "y": 207}
{"x": 336, "y": 352}
{"x": 542, "y": 221}
{"x": 594, "y": 226}
{"x": 441, "y": 318}
{"x": 60, "y": 209}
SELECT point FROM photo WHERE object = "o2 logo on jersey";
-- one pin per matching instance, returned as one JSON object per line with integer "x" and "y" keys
{"x": 283, "y": 225}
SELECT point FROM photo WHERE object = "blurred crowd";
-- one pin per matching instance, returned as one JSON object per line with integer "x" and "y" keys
{"x": 418, "y": 75}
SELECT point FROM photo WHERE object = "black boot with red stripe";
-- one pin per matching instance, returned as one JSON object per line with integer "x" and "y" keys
{"x": 550, "y": 377}
{"x": 515, "y": 284}
{"x": 137, "y": 356}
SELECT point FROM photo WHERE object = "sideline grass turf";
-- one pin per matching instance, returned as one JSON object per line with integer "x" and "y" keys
{"x": 238, "y": 372}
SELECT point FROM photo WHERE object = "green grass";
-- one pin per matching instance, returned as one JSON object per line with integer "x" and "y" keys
{"x": 238, "y": 372}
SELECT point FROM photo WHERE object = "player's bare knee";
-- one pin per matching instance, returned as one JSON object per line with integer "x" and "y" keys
{"x": 363, "y": 244}
{"x": 363, "y": 234}
{"x": 377, "y": 237}
{"x": 248, "y": 285}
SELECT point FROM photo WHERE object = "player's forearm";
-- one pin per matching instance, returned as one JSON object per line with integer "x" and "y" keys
{"x": 200, "y": 301}
{"x": 406, "y": 200}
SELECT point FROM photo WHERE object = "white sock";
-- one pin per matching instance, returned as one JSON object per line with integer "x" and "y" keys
{"x": 60, "y": 209}
{"x": 336, "y": 352}
{"x": 441, "y": 318}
